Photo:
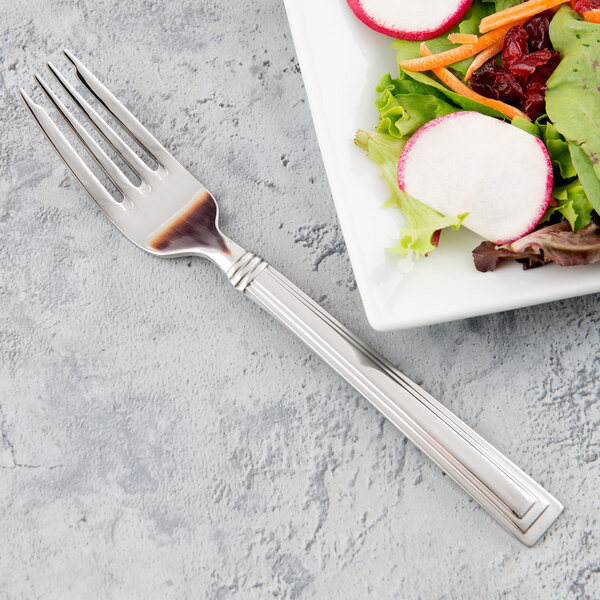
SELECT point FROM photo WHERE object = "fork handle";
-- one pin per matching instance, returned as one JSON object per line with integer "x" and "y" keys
{"x": 513, "y": 498}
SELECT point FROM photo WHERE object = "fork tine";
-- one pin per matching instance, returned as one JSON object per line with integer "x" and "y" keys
{"x": 137, "y": 165}
{"x": 119, "y": 112}
{"x": 97, "y": 153}
{"x": 81, "y": 171}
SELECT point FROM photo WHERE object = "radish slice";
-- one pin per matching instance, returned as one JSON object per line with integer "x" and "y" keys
{"x": 466, "y": 162}
{"x": 410, "y": 19}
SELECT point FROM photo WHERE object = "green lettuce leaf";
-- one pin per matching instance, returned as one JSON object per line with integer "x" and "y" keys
{"x": 405, "y": 105}
{"x": 572, "y": 100}
{"x": 587, "y": 174}
{"x": 456, "y": 99}
{"x": 421, "y": 221}
{"x": 502, "y": 4}
{"x": 572, "y": 206}
{"x": 558, "y": 149}
{"x": 527, "y": 126}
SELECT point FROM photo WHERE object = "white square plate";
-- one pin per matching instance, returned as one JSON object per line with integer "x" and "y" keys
{"x": 342, "y": 61}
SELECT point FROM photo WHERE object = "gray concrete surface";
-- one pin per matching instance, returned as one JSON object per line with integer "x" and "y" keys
{"x": 162, "y": 438}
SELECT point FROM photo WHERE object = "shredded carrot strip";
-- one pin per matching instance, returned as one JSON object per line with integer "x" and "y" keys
{"x": 483, "y": 56}
{"x": 426, "y": 63}
{"x": 456, "y": 85}
{"x": 509, "y": 16}
{"x": 463, "y": 38}
{"x": 592, "y": 16}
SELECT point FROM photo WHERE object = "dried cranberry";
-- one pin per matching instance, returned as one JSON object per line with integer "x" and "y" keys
{"x": 539, "y": 78}
{"x": 515, "y": 45}
{"x": 493, "y": 81}
{"x": 535, "y": 103}
{"x": 535, "y": 94}
{"x": 527, "y": 61}
{"x": 582, "y": 6}
{"x": 537, "y": 29}
{"x": 544, "y": 61}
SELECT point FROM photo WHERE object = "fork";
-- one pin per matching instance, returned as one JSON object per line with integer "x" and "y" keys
{"x": 169, "y": 213}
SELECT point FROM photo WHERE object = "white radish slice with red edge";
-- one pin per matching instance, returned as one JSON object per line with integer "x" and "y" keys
{"x": 410, "y": 19}
{"x": 466, "y": 162}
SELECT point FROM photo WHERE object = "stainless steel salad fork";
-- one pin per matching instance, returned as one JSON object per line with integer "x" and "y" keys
{"x": 169, "y": 213}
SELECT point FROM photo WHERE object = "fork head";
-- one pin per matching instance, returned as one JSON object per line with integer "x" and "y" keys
{"x": 167, "y": 211}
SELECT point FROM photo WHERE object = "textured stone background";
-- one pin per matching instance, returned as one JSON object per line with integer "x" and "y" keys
{"x": 161, "y": 437}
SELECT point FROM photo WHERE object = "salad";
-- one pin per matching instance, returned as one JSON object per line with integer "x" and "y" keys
{"x": 521, "y": 153}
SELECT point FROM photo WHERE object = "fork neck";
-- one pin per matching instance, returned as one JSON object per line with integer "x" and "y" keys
{"x": 240, "y": 266}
